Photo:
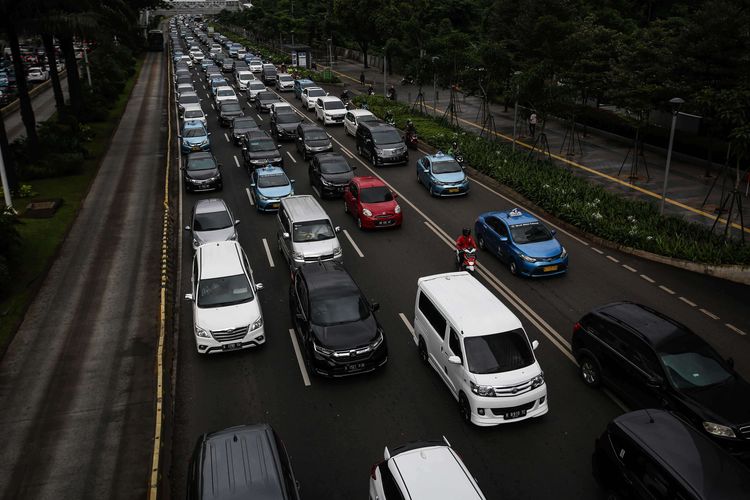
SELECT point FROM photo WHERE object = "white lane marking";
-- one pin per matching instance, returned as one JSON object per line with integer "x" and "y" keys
{"x": 315, "y": 190}
{"x": 613, "y": 259}
{"x": 708, "y": 313}
{"x": 597, "y": 251}
{"x": 629, "y": 268}
{"x": 259, "y": 117}
{"x": 249, "y": 196}
{"x": 687, "y": 301}
{"x": 213, "y": 105}
{"x": 647, "y": 278}
{"x": 236, "y": 161}
{"x": 407, "y": 323}
{"x": 300, "y": 361}
{"x": 734, "y": 328}
{"x": 668, "y": 290}
{"x": 291, "y": 157}
{"x": 356, "y": 248}
{"x": 347, "y": 152}
{"x": 226, "y": 136}
{"x": 268, "y": 253}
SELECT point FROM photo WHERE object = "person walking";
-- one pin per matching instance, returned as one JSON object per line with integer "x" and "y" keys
{"x": 362, "y": 78}
{"x": 532, "y": 124}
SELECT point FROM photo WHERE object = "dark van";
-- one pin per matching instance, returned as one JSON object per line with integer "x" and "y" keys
{"x": 268, "y": 74}
{"x": 247, "y": 461}
{"x": 381, "y": 144}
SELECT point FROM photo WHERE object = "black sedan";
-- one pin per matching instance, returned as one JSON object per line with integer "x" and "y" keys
{"x": 242, "y": 125}
{"x": 259, "y": 150}
{"x": 330, "y": 173}
{"x": 202, "y": 172}
{"x": 264, "y": 100}
{"x": 228, "y": 111}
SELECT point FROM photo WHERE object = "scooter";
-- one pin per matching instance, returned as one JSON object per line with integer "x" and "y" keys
{"x": 411, "y": 140}
{"x": 466, "y": 260}
{"x": 459, "y": 157}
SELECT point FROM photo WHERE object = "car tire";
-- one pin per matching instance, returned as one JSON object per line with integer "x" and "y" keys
{"x": 513, "y": 267}
{"x": 590, "y": 371}
{"x": 464, "y": 408}
{"x": 422, "y": 351}
{"x": 480, "y": 242}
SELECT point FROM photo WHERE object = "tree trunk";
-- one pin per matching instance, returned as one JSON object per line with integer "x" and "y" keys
{"x": 49, "y": 48}
{"x": 74, "y": 81}
{"x": 27, "y": 112}
{"x": 10, "y": 164}
{"x": 364, "y": 56}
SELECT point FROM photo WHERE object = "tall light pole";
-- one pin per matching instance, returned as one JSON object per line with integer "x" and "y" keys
{"x": 385, "y": 65}
{"x": 515, "y": 110}
{"x": 434, "y": 84}
{"x": 6, "y": 188}
{"x": 330, "y": 56}
{"x": 675, "y": 103}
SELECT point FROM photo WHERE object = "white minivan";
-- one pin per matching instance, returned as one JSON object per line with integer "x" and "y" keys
{"x": 480, "y": 350}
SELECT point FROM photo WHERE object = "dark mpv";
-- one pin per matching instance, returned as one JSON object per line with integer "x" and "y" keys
{"x": 381, "y": 144}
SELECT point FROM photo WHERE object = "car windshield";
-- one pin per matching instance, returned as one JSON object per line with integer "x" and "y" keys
{"x": 189, "y": 99}
{"x": 692, "y": 364}
{"x": 201, "y": 164}
{"x": 224, "y": 92}
{"x": 255, "y": 61}
{"x": 263, "y": 144}
{"x": 224, "y": 291}
{"x": 230, "y": 107}
{"x": 313, "y": 231}
{"x": 245, "y": 76}
{"x": 337, "y": 166}
{"x": 211, "y": 221}
{"x": 378, "y": 194}
{"x": 193, "y": 113}
{"x": 266, "y": 96}
{"x": 272, "y": 180}
{"x": 316, "y": 134}
{"x": 530, "y": 232}
{"x": 389, "y": 136}
{"x": 316, "y": 93}
{"x": 334, "y": 105}
{"x": 336, "y": 306}
{"x": 499, "y": 352}
{"x": 286, "y": 79}
{"x": 244, "y": 123}
{"x": 445, "y": 167}
{"x": 288, "y": 118}
{"x": 194, "y": 132}
{"x": 256, "y": 86}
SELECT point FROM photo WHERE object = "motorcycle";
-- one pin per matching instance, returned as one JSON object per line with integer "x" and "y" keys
{"x": 459, "y": 157}
{"x": 411, "y": 140}
{"x": 390, "y": 121}
{"x": 371, "y": 91}
{"x": 466, "y": 260}
{"x": 407, "y": 80}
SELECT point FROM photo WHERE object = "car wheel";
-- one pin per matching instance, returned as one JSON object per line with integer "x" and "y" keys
{"x": 422, "y": 350}
{"x": 432, "y": 191}
{"x": 346, "y": 208}
{"x": 480, "y": 242}
{"x": 513, "y": 267}
{"x": 372, "y": 159}
{"x": 464, "y": 408}
{"x": 590, "y": 371}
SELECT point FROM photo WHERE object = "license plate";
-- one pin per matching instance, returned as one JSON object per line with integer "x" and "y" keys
{"x": 514, "y": 414}
{"x": 355, "y": 367}
{"x": 274, "y": 205}
{"x": 384, "y": 222}
{"x": 231, "y": 347}
{"x": 453, "y": 190}
{"x": 196, "y": 148}
{"x": 547, "y": 269}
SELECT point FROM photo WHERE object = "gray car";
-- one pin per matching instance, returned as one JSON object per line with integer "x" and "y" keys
{"x": 212, "y": 221}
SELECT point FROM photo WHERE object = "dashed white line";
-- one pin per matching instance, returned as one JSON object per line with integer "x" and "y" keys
{"x": 300, "y": 361}
{"x": 236, "y": 161}
{"x": 708, "y": 313}
{"x": 213, "y": 105}
{"x": 647, "y": 278}
{"x": 687, "y": 301}
{"x": 613, "y": 259}
{"x": 734, "y": 329}
{"x": 597, "y": 251}
{"x": 669, "y": 291}
{"x": 407, "y": 323}
{"x": 268, "y": 253}
{"x": 356, "y": 248}
{"x": 226, "y": 136}
{"x": 291, "y": 157}
{"x": 249, "y": 196}
{"x": 259, "y": 117}
{"x": 629, "y": 268}
{"x": 347, "y": 152}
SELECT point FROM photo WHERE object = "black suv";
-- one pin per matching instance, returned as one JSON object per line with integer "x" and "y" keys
{"x": 381, "y": 144}
{"x": 228, "y": 111}
{"x": 330, "y": 173}
{"x": 284, "y": 123}
{"x": 652, "y": 454}
{"x": 334, "y": 321}
{"x": 259, "y": 150}
{"x": 247, "y": 461}
{"x": 264, "y": 100}
{"x": 312, "y": 140}
{"x": 650, "y": 360}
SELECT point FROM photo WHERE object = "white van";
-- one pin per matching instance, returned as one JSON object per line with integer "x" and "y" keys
{"x": 480, "y": 350}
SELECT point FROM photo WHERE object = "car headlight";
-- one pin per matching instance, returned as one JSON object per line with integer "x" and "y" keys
{"x": 297, "y": 256}
{"x": 378, "y": 150}
{"x": 719, "y": 430}
{"x": 564, "y": 253}
{"x": 337, "y": 252}
{"x": 325, "y": 182}
{"x": 379, "y": 340}
{"x": 537, "y": 381}
{"x": 258, "y": 323}
{"x": 260, "y": 196}
{"x": 483, "y": 390}
{"x": 527, "y": 258}
{"x": 366, "y": 212}
{"x": 322, "y": 350}
{"x": 200, "y": 332}
{"x": 438, "y": 183}
{"x": 398, "y": 209}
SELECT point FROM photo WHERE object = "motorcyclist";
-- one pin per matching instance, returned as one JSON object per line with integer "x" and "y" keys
{"x": 410, "y": 129}
{"x": 453, "y": 150}
{"x": 389, "y": 117}
{"x": 345, "y": 95}
{"x": 464, "y": 242}
{"x": 391, "y": 93}
{"x": 370, "y": 90}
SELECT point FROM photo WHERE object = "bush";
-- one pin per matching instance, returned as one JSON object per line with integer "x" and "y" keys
{"x": 61, "y": 151}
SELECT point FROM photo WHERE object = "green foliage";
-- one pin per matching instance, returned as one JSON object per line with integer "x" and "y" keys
{"x": 61, "y": 151}
{"x": 9, "y": 243}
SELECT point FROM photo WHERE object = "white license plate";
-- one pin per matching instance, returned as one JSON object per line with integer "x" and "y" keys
{"x": 232, "y": 346}
{"x": 514, "y": 414}
{"x": 355, "y": 367}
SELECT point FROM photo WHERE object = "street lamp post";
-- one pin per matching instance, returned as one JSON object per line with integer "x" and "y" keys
{"x": 675, "y": 103}
{"x": 330, "y": 55}
{"x": 515, "y": 110}
{"x": 385, "y": 66}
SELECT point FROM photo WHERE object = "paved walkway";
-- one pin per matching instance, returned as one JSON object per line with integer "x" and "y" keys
{"x": 598, "y": 157}
{"x": 44, "y": 107}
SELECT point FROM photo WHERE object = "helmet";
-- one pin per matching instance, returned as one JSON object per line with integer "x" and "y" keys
{"x": 466, "y": 231}
{"x": 454, "y": 145}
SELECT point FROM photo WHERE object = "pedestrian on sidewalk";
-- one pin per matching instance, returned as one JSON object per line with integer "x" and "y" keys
{"x": 362, "y": 78}
{"x": 532, "y": 123}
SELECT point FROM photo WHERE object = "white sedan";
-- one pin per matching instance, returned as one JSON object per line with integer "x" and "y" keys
{"x": 224, "y": 94}
{"x": 310, "y": 95}
{"x": 37, "y": 74}
{"x": 353, "y": 117}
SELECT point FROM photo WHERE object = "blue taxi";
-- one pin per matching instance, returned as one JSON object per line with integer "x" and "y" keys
{"x": 194, "y": 137}
{"x": 521, "y": 241}
{"x": 442, "y": 175}
{"x": 269, "y": 185}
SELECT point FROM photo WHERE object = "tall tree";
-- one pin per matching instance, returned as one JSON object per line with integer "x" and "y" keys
{"x": 24, "y": 100}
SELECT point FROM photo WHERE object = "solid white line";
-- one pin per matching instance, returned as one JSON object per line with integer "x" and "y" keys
{"x": 356, "y": 248}
{"x": 347, "y": 152}
{"x": 315, "y": 190}
{"x": 259, "y": 117}
{"x": 407, "y": 323}
{"x": 268, "y": 253}
{"x": 708, "y": 313}
{"x": 226, "y": 136}
{"x": 669, "y": 291}
{"x": 688, "y": 302}
{"x": 647, "y": 278}
{"x": 613, "y": 259}
{"x": 597, "y": 251}
{"x": 300, "y": 361}
{"x": 291, "y": 157}
{"x": 236, "y": 161}
{"x": 735, "y": 329}
{"x": 629, "y": 268}
{"x": 249, "y": 196}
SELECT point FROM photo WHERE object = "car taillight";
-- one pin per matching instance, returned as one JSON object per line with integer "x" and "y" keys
{"x": 576, "y": 327}
{"x": 373, "y": 469}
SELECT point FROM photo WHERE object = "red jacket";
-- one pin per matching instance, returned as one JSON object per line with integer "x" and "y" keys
{"x": 464, "y": 242}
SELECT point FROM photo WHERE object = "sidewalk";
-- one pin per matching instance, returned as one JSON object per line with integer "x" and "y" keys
{"x": 599, "y": 157}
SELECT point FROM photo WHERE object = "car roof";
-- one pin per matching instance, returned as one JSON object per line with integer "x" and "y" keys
{"x": 367, "y": 181}
{"x": 650, "y": 325}
{"x": 509, "y": 218}
{"x": 314, "y": 88}
{"x": 361, "y": 112}
{"x": 701, "y": 464}
{"x": 209, "y": 205}
{"x": 375, "y": 125}
{"x": 303, "y": 207}
{"x": 269, "y": 170}
{"x": 330, "y": 157}
{"x": 434, "y": 472}
{"x": 282, "y": 74}
{"x": 329, "y": 98}
{"x": 461, "y": 296}
{"x": 304, "y": 81}
{"x": 220, "y": 259}
{"x": 439, "y": 156}
{"x": 306, "y": 127}
{"x": 328, "y": 274}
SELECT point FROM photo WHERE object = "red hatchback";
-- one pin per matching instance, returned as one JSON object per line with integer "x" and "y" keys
{"x": 372, "y": 203}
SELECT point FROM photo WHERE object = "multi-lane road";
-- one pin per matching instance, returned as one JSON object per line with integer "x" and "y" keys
{"x": 336, "y": 429}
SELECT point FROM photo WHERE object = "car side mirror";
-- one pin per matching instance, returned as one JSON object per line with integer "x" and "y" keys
{"x": 374, "y": 306}
{"x": 553, "y": 231}
{"x": 456, "y": 360}
{"x": 187, "y": 228}
{"x": 209, "y": 133}
{"x": 299, "y": 139}
{"x": 259, "y": 286}
{"x": 237, "y": 221}
{"x": 655, "y": 382}
{"x": 285, "y": 236}
{"x": 337, "y": 229}
{"x": 534, "y": 344}
{"x": 252, "y": 184}
{"x": 188, "y": 296}
{"x": 244, "y": 148}
{"x": 503, "y": 238}
{"x": 292, "y": 181}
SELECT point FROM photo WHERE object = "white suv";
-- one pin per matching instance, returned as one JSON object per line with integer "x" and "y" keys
{"x": 330, "y": 109}
{"x": 427, "y": 470}
{"x": 480, "y": 350}
{"x": 226, "y": 311}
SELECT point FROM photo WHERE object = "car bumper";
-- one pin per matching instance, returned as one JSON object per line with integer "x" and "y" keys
{"x": 193, "y": 149}
{"x": 297, "y": 263}
{"x": 203, "y": 185}
{"x": 332, "y": 191}
{"x": 534, "y": 403}
{"x": 330, "y": 367}
{"x": 286, "y": 89}
{"x": 451, "y": 190}
{"x": 333, "y": 120}
{"x": 382, "y": 222}
{"x": 267, "y": 204}
{"x": 392, "y": 160}
{"x": 210, "y": 345}
{"x": 308, "y": 153}
{"x": 538, "y": 269}
{"x": 263, "y": 163}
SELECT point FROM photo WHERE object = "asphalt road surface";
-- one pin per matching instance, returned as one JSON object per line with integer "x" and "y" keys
{"x": 336, "y": 429}
{"x": 44, "y": 107}
{"x": 77, "y": 382}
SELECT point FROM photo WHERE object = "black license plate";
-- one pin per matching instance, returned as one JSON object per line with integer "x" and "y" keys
{"x": 383, "y": 222}
{"x": 514, "y": 414}
{"x": 355, "y": 367}
{"x": 232, "y": 346}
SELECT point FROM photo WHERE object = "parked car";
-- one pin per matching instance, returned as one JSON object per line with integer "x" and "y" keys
{"x": 269, "y": 186}
{"x": 310, "y": 95}
{"x": 330, "y": 173}
{"x": 194, "y": 137}
{"x": 284, "y": 124}
{"x": 259, "y": 150}
{"x": 372, "y": 204}
{"x": 442, "y": 175}
{"x": 650, "y": 360}
{"x": 254, "y": 87}
{"x": 264, "y": 100}
{"x": 300, "y": 85}
{"x": 228, "y": 111}
{"x": 284, "y": 82}
{"x": 240, "y": 126}
{"x": 353, "y": 117}
{"x": 311, "y": 140}
{"x": 381, "y": 144}
{"x": 521, "y": 241}
{"x": 202, "y": 172}
{"x": 338, "y": 331}
{"x": 211, "y": 221}
{"x": 329, "y": 110}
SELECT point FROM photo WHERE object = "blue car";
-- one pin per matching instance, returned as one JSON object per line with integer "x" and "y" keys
{"x": 442, "y": 175}
{"x": 521, "y": 241}
{"x": 300, "y": 85}
{"x": 270, "y": 184}
{"x": 194, "y": 137}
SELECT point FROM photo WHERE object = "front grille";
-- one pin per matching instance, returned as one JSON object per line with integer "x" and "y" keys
{"x": 745, "y": 431}
{"x": 503, "y": 411}
{"x": 513, "y": 390}
{"x": 351, "y": 354}
{"x": 547, "y": 259}
{"x": 319, "y": 257}
{"x": 383, "y": 216}
{"x": 229, "y": 335}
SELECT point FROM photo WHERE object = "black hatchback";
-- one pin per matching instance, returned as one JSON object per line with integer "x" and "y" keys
{"x": 650, "y": 360}
{"x": 202, "y": 172}
{"x": 330, "y": 173}
{"x": 339, "y": 333}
